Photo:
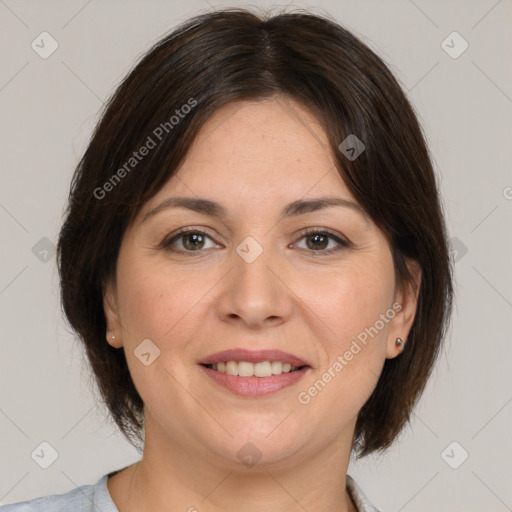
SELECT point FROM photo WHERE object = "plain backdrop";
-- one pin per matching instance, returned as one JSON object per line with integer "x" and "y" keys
{"x": 49, "y": 107}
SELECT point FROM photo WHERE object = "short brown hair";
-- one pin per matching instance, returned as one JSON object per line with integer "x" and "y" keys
{"x": 232, "y": 55}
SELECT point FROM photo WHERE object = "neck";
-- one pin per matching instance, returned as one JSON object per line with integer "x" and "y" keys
{"x": 179, "y": 478}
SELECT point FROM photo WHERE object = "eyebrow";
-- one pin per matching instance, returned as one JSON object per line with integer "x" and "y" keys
{"x": 214, "y": 209}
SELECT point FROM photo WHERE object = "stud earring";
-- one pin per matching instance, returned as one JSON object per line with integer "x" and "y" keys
{"x": 399, "y": 342}
{"x": 112, "y": 335}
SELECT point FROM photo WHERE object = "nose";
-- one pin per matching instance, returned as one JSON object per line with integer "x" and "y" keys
{"x": 255, "y": 293}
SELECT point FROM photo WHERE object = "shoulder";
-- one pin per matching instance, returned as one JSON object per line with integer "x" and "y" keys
{"x": 86, "y": 498}
{"x": 358, "y": 497}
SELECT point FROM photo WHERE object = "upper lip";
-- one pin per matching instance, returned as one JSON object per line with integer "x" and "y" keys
{"x": 253, "y": 356}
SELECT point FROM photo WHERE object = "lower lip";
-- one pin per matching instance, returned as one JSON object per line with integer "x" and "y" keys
{"x": 255, "y": 386}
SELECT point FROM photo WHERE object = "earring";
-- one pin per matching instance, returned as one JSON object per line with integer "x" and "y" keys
{"x": 112, "y": 335}
{"x": 399, "y": 342}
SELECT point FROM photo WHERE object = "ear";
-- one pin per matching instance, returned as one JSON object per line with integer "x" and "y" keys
{"x": 113, "y": 334}
{"x": 406, "y": 300}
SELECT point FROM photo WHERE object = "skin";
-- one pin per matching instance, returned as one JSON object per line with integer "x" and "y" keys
{"x": 253, "y": 158}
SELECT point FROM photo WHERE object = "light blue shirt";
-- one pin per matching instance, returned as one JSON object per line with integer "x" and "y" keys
{"x": 96, "y": 498}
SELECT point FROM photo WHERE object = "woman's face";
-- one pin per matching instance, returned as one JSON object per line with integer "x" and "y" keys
{"x": 252, "y": 280}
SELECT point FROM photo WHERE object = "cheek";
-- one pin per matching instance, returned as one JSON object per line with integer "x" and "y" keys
{"x": 350, "y": 301}
{"x": 160, "y": 307}
{"x": 365, "y": 301}
{"x": 167, "y": 306}
{"x": 357, "y": 309}
{"x": 154, "y": 301}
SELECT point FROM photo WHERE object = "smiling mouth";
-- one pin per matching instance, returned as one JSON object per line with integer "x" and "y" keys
{"x": 246, "y": 369}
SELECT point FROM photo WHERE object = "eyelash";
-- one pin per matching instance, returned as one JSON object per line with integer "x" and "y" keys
{"x": 342, "y": 244}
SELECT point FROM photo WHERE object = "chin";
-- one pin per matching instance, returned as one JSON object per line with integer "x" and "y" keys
{"x": 260, "y": 446}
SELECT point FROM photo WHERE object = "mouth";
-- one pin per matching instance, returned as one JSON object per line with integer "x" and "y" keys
{"x": 261, "y": 369}
{"x": 254, "y": 373}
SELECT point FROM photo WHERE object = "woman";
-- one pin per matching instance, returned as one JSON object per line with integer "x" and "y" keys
{"x": 255, "y": 258}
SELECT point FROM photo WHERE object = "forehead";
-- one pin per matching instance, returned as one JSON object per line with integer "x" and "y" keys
{"x": 277, "y": 138}
{"x": 271, "y": 150}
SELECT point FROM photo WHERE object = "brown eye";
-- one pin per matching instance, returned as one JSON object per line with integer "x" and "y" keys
{"x": 193, "y": 241}
{"x": 318, "y": 241}
{"x": 187, "y": 241}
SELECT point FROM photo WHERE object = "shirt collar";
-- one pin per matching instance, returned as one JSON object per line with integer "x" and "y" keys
{"x": 358, "y": 497}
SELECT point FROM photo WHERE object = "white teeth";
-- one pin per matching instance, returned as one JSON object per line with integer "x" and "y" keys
{"x": 246, "y": 369}
{"x": 262, "y": 369}
{"x": 277, "y": 367}
{"x": 232, "y": 368}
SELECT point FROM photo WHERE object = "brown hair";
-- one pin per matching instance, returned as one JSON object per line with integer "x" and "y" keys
{"x": 234, "y": 54}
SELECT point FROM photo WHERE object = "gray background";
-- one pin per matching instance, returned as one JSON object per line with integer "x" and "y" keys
{"x": 49, "y": 107}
